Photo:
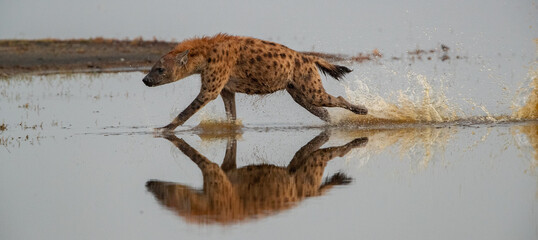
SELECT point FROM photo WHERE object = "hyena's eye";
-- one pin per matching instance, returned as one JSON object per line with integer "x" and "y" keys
{"x": 160, "y": 70}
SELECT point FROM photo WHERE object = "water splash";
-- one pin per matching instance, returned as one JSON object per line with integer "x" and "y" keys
{"x": 529, "y": 111}
{"x": 430, "y": 106}
{"x": 424, "y": 104}
{"x": 214, "y": 128}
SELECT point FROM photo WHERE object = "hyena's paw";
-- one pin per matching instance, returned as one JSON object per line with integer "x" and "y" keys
{"x": 358, "y": 109}
{"x": 359, "y": 142}
{"x": 166, "y": 129}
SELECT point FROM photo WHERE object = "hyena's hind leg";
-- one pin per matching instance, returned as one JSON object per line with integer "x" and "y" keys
{"x": 340, "y": 178}
{"x": 310, "y": 161}
{"x": 310, "y": 90}
{"x": 320, "y": 112}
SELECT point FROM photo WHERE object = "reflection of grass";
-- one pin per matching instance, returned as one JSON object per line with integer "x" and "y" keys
{"x": 25, "y": 126}
{"x": 11, "y": 142}
{"x": 29, "y": 106}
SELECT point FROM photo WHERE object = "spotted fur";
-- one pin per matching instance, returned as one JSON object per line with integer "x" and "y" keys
{"x": 231, "y": 64}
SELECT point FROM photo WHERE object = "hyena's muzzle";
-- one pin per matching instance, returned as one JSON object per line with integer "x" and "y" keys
{"x": 149, "y": 82}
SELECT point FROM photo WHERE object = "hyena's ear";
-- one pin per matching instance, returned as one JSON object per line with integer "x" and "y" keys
{"x": 182, "y": 58}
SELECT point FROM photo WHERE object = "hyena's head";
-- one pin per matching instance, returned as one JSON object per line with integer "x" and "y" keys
{"x": 170, "y": 68}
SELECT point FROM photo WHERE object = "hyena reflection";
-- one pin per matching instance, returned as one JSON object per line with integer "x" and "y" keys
{"x": 233, "y": 194}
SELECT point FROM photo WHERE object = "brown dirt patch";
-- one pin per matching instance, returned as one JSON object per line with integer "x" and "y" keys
{"x": 85, "y": 55}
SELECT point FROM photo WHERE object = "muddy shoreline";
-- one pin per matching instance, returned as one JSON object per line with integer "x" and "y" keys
{"x": 50, "y": 56}
{"x": 85, "y": 55}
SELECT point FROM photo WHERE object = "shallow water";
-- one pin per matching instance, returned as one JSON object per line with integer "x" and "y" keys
{"x": 78, "y": 151}
{"x": 453, "y": 182}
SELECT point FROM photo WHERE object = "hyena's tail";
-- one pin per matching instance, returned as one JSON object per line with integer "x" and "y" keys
{"x": 336, "y": 71}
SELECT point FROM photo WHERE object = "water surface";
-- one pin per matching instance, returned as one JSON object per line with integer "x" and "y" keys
{"x": 79, "y": 150}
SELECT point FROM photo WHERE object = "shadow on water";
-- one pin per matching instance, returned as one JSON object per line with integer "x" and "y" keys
{"x": 232, "y": 194}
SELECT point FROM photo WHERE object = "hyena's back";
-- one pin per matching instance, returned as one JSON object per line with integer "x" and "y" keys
{"x": 262, "y": 67}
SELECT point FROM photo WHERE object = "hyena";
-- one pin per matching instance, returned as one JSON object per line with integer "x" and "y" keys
{"x": 231, "y": 64}
{"x": 232, "y": 194}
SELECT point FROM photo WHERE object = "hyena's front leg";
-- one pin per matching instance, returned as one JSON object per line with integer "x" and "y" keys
{"x": 212, "y": 85}
{"x": 230, "y": 156}
{"x": 229, "y": 104}
{"x": 216, "y": 183}
{"x": 195, "y": 105}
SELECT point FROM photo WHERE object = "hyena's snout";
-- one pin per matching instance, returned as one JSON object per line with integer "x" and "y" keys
{"x": 148, "y": 81}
